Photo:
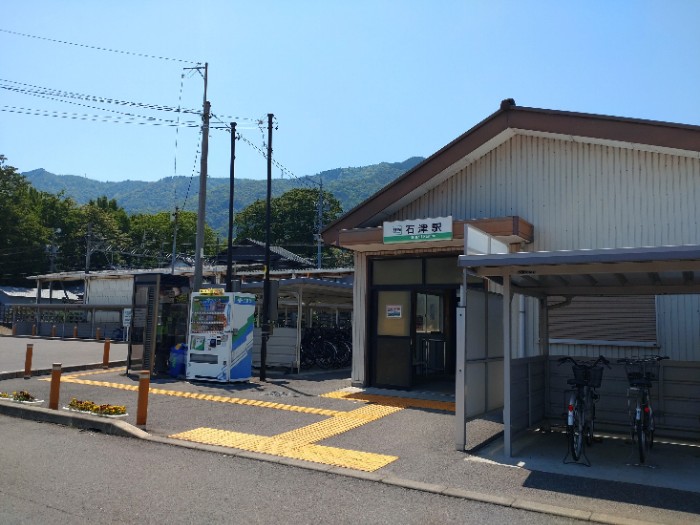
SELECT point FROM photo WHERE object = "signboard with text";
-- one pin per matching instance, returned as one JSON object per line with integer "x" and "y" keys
{"x": 418, "y": 230}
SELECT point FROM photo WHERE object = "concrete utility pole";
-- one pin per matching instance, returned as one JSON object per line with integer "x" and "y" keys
{"x": 201, "y": 211}
{"x": 229, "y": 250}
{"x": 172, "y": 268}
{"x": 320, "y": 224}
{"x": 266, "y": 283}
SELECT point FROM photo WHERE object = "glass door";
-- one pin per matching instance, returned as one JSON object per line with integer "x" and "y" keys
{"x": 430, "y": 348}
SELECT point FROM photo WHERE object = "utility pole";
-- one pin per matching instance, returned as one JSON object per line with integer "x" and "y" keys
{"x": 320, "y": 224}
{"x": 266, "y": 282}
{"x": 172, "y": 269}
{"x": 88, "y": 251}
{"x": 229, "y": 251}
{"x": 201, "y": 211}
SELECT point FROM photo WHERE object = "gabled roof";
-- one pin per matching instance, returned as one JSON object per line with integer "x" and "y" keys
{"x": 508, "y": 121}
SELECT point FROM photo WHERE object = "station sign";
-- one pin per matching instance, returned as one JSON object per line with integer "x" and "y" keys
{"x": 418, "y": 230}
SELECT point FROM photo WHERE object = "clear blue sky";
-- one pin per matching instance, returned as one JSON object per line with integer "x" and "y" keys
{"x": 350, "y": 83}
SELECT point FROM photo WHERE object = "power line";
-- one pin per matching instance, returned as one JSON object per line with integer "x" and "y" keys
{"x": 31, "y": 89}
{"x": 147, "y": 121}
{"x": 98, "y": 48}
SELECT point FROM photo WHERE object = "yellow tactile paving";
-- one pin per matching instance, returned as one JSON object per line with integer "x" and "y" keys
{"x": 206, "y": 397}
{"x": 403, "y": 402}
{"x": 353, "y": 459}
{"x": 299, "y": 443}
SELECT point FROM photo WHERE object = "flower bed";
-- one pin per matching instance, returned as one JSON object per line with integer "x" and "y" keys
{"x": 21, "y": 396}
{"x": 90, "y": 407}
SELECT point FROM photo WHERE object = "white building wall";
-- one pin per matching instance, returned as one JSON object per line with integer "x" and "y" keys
{"x": 581, "y": 195}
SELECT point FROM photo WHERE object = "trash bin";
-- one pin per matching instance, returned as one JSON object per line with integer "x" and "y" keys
{"x": 178, "y": 360}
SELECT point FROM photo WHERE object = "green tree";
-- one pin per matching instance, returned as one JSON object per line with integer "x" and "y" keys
{"x": 294, "y": 220}
{"x": 153, "y": 234}
{"x": 22, "y": 235}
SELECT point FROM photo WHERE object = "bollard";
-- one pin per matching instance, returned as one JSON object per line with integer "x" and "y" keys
{"x": 55, "y": 386}
{"x": 105, "y": 353}
{"x": 98, "y": 333}
{"x": 28, "y": 361}
{"x": 34, "y": 330}
{"x": 53, "y": 331}
{"x": 14, "y": 328}
{"x": 142, "y": 409}
{"x": 75, "y": 331}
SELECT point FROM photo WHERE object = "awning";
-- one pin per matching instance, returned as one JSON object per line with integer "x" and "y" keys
{"x": 654, "y": 270}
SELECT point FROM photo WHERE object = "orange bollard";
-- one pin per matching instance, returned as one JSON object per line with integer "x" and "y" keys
{"x": 75, "y": 331}
{"x": 98, "y": 333}
{"x": 53, "y": 331}
{"x": 34, "y": 330}
{"x": 55, "y": 386}
{"x": 105, "y": 353}
{"x": 14, "y": 328}
{"x": 28, "y": 361}
{"x": 142, "y": 409}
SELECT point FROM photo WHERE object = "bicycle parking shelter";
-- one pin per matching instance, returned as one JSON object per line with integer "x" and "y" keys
{"x": 660, "y": 270}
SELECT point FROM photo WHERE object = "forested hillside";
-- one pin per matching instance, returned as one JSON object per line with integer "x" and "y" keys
{"x": 350, "y": 186}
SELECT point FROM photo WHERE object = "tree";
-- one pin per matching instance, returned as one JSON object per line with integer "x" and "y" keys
{"x": 153, "y": 233}
{"x": 293, "y": 220}
{"x": 22, "y": 235}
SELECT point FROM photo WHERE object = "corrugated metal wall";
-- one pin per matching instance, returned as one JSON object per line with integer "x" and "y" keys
{"x": 581, "y": 195}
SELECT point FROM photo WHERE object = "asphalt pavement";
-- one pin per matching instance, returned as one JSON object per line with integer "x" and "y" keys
{"x": 316, "y": 420}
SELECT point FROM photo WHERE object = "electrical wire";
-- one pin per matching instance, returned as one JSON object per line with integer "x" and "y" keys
{"x": 52, "y": 92}
{"x": 98, "y": 48}
{"x": 147, "y": 121}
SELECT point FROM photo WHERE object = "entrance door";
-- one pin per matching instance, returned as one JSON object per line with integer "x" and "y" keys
{"x": 414, "y": 341}
{"x": 394, "y": 342}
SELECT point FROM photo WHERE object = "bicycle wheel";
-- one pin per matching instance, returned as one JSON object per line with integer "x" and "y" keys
{"x": 576, "y": 434}
{"x": 642, "y": 442}
{"x": 326, "y": 356}
{"x": 590, "y": 427}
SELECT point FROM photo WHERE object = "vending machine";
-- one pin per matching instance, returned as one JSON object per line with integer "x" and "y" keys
{"x": 220, "y": 336}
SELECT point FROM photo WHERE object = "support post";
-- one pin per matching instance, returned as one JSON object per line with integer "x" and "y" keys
{"x": 105, "y": 353}
{"x": 142, "y": 407}
{"x": 55, "y": 386}
{"x": 229, "y": 246}
{"x": 507, "y": 352}
{"x": 28, "y": 361}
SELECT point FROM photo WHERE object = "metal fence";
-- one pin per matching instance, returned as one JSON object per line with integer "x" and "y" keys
{"x": 81, "y": 321}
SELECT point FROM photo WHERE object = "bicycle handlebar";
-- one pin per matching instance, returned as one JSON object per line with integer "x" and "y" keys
{"x": 588, "y": 364}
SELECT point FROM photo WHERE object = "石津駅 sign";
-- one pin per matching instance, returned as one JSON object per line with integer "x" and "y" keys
{"x": 418, "y": 230}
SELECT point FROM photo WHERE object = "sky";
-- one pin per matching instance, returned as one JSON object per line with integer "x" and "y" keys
{"x": 350, "y": 83}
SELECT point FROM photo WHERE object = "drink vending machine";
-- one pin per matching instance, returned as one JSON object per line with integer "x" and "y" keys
{"x": 220, "y": 336}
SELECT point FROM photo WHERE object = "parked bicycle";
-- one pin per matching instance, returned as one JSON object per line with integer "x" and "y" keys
{"x": 641, "y": 371}
{"x": 580, "y": 419}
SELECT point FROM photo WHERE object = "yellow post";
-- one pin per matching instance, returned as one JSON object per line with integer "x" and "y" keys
{"x": 105, "y": 353}
{"x": 142, "y": 408}
{"x": 28, "y": 361}
{"x": 55, "y": 386}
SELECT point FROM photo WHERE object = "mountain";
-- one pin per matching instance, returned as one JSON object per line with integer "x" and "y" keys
{"x": 350, "y": 186}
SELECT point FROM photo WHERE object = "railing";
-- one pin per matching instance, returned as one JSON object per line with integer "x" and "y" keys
{"x": 80, "y": 321}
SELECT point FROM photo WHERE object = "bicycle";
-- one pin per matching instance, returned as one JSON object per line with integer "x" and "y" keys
{"x": 641, "y": 371}
{"x": 580, "y": 413}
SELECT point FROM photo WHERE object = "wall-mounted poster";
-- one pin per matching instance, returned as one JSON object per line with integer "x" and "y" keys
{"x": 393, "y": 311}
